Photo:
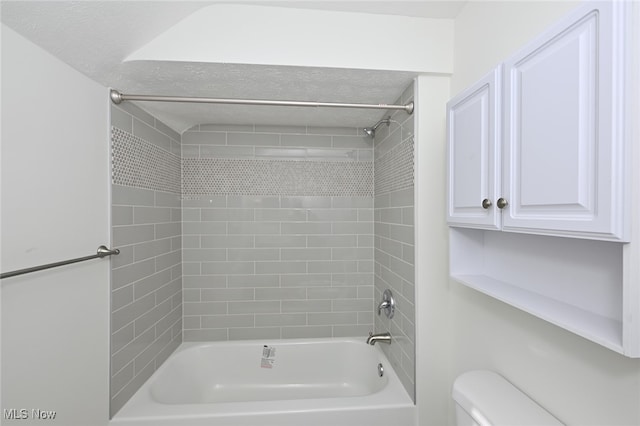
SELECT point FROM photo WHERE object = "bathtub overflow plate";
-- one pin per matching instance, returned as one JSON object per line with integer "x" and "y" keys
{"x": 380, "y": 370}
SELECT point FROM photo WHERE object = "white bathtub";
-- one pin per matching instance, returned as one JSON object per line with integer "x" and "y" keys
{"x": 303, "y": 382}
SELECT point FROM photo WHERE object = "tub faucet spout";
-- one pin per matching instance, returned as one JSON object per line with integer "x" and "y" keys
{"x": 379, "y": 337}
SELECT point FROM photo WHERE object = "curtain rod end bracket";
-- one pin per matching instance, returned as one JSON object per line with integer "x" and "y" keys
{"x": 409, "y": 108}
{"x": 116, "y": 97}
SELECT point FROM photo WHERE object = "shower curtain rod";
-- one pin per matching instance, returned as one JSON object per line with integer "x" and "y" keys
{"x": 117, "y": 98}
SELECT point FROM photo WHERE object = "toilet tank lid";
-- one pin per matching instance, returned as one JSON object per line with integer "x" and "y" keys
{"x": 491, "y": 400}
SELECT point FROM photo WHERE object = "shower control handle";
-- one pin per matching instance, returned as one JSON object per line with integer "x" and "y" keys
{"x": 388, "y": 304}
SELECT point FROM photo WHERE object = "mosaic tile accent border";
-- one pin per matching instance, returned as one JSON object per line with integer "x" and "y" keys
{"x": 226, "y": 176}
{"x": 140, "y": 164}
{"x": 395, "y": 169}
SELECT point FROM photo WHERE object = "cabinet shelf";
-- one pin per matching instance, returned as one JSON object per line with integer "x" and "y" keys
{"x": 574, "y": 284}
{"x": 602, "y": 330}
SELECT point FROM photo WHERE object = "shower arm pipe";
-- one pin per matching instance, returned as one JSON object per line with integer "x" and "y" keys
{"x": 117, "y": 98}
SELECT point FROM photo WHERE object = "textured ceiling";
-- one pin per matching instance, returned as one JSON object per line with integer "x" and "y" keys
{"x": 95, "y": 37}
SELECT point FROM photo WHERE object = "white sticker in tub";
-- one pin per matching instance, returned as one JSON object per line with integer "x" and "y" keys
{"x": 268, "y": 356}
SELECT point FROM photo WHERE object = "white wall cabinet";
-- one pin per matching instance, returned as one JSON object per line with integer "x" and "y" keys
{"x": 557, "y": 166}
{"x": 541, "y": 148}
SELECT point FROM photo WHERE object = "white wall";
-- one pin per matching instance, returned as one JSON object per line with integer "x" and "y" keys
{"x": 254, "y": 34}
{"x": 431, "y": 258}
{"x": 55, "y": 204}
{"x": 577, "y": 380}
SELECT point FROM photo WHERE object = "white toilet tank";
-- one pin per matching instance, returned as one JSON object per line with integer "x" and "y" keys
{"x": 485, "y": 398}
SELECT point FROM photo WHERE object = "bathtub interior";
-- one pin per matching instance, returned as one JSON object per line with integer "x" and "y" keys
{"x": 313, "y": 381}
{"x": 258, "y": 371}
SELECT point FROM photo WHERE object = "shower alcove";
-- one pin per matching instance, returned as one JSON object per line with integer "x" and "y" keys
{"x": 249, "y": 231}
{"x": 253, "y": 222}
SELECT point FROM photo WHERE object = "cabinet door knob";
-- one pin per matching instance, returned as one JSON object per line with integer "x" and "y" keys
{"x": 486, "y": 203}
{"x": 502, "y": 203}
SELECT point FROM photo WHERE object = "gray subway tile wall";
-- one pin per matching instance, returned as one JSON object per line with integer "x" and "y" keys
{"x": 394, "y": 238}
{"x": 283, "y": 260}
{"x": 146, "y": 278}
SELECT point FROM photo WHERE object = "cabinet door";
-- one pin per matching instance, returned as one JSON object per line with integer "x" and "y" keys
{"x": 563, "y": 157}
{"x": 473, "y": 138}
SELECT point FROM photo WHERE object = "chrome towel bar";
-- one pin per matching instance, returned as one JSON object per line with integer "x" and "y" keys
{"x": 103, "y": 251}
